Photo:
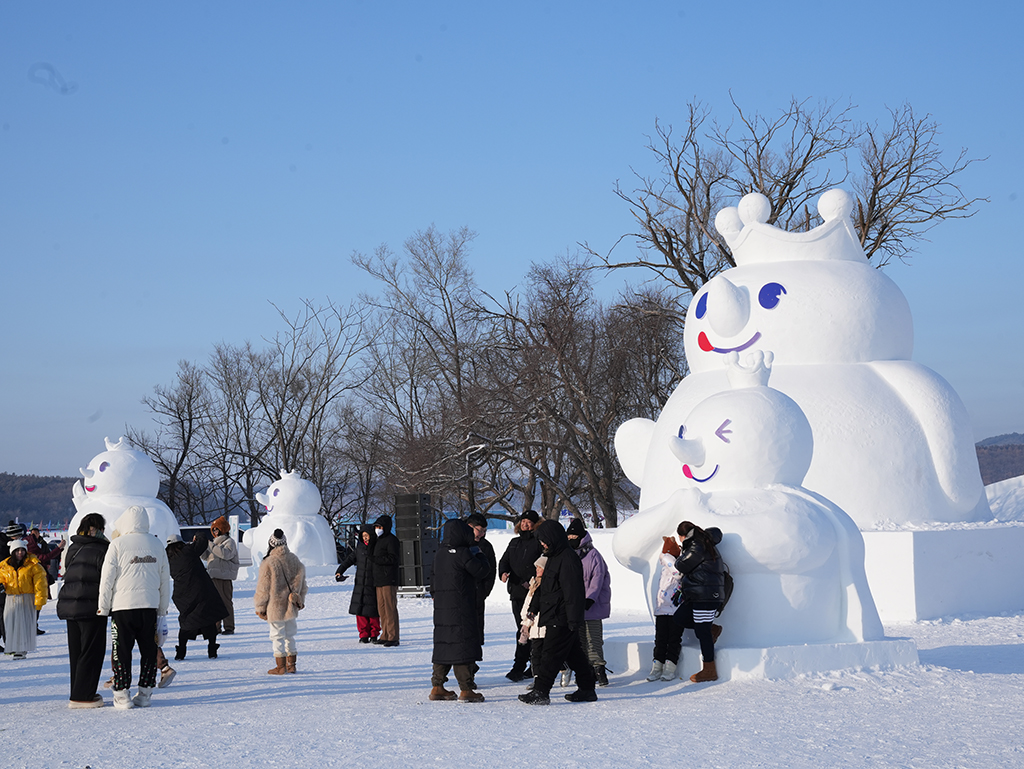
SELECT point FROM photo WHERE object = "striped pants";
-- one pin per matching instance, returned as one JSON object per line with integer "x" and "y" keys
{"x": 592, "y": 641}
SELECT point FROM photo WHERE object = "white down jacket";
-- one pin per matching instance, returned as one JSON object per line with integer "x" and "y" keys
{"x": 135, "y": 574}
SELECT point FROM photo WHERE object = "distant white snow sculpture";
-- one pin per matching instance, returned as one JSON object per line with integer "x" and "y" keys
{"x": 797, "y": 559}
{"x": 114, "y": 481}
{"x": 892, "y": 440}
{"x": 293, "y": 505}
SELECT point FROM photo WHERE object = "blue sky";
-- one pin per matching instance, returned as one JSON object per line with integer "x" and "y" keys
{"x": 174, "y": 169}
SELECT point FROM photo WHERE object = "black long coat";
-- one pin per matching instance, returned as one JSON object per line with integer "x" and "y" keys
{"x": 197, "y": 600}
{"x": 80, "y": 595}
{"x": 364, "y": 592}
{"x": 456, "y": 572}
{"x": 386, "y": 555}
{"x": 562, "y": 595}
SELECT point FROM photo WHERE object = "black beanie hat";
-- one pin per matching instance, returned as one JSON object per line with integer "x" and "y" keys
{"x": 576, "y": 529}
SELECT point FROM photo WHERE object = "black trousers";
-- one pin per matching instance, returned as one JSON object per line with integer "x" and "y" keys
{"x": 133, "y": 626}
{"x": 87, "y": 647}
{"x": 668, "y": 638}
{"x": 563, "y": 645}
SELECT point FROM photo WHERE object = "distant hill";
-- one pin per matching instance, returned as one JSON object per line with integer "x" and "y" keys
{"x": 1010, "y": 439}
{"x": 1000, "y": 461}
{"x": 36, "y": 499}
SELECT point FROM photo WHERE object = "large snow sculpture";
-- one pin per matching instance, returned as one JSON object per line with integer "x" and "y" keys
{"x": 797, "y": 559}
{"x": 114, "y": 481}
{"x": 293, "y": 505}
{"x": 892, "y": 440}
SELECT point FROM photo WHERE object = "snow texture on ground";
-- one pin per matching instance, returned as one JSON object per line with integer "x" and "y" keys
{"x": 353, "y": 704}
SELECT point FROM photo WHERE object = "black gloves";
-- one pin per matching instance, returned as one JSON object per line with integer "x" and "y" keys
{"x": 339, "y": 577}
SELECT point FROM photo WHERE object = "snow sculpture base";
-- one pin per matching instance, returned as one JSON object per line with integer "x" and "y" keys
{"x": 773, "y": 662}
{"x": 916, "y": 575}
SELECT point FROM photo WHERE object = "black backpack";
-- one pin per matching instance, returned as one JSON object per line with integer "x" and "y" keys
{"x": 728, "y": 588}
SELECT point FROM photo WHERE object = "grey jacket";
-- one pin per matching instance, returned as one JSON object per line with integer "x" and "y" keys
{"x": 221, "y": 558}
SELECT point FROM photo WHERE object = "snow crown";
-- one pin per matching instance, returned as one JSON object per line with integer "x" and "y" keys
{"x": 752, "y": 240}
{"x": 754, "y": 372}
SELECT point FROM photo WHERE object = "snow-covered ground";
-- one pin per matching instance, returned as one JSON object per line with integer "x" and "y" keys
{"x": 353, "y": 705}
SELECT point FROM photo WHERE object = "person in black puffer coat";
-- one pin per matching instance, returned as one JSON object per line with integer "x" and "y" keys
{"x": 458, "y": 567}
{"x": 516, "y": 568}
{"x": 364, "y": 593}
{"x": 199, "y": 604}
{"x": 560, "y": 602}
{"x": 484, "y": 585}
{"x": 703, "y": 587}
{"x": 77, "y": 604}
{"x": 386, "y": 556}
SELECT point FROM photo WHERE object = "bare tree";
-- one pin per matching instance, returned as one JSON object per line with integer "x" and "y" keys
{"x": 181, "y": 413}
{"x": 903, "y": 187}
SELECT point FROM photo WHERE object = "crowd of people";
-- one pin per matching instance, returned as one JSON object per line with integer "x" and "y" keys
{"x": 558, "y": 584}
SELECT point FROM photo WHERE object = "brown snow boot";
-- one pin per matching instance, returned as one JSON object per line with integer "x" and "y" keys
{"x": 440, "y": 693}
{"x": 468, "y": 695}
{"x": 707, "y": 673}
{"x": 290, "y": 663}
{"x": 280, "y": 669}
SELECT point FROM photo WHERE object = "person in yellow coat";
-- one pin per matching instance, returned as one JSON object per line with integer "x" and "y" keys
{"x": 24, "y": 579}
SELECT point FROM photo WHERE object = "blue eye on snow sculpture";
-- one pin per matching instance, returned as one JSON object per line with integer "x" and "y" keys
{"x": 682, "y": 429}
{"x": 702, "y": 306}
{"x": 769, "y": 295}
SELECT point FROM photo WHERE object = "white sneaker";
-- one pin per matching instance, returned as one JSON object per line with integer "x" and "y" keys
{"x": 142, "y": 699}
{"x": 122, "y": 701}
{"x": 656, "y": 669}
{"x": 669, "y": 672}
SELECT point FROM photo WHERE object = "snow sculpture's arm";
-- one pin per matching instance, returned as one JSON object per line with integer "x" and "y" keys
{"x": 78, "y": 495}
{"x": 632, "y": 441}
{"x": 947, "y": 428}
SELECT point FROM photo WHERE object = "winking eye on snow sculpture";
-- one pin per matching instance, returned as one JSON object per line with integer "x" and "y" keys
{"x": 798, "y": 560}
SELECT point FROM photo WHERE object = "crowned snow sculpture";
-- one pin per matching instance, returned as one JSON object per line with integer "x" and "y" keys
{"x": 798, "y": 560}
{"x": 293, "y": 505}
{"x": 893, "y": 442}
{"x": 114, "y": 481}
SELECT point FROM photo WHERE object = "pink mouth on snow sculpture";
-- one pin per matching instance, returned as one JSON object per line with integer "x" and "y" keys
{"x": 689, "y": 474}
{"x": 90, "y": 488}
{"x": 706, "y": 346}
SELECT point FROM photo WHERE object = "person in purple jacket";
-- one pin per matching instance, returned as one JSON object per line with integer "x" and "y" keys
{"x": 598, "y": 585}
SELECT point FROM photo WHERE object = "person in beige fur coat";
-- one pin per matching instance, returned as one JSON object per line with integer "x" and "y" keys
{"x": 280, "y": 594}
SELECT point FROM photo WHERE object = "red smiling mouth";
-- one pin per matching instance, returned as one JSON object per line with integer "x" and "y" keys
{"x": 689, "y": 474}
{"x": 90, "y": 488}
{"x": 705, "y": 344}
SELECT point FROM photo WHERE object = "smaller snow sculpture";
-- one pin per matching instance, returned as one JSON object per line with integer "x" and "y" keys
{"x": 293, "y": 505}
{"x": 798, "y": 560}
{"x": 114, "y": 481}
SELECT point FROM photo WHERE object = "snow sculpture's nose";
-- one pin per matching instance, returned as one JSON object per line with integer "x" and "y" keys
{"x": 86, "y": 472}
{"x": 689, "y": 452}
{"x": 728, "y": 307}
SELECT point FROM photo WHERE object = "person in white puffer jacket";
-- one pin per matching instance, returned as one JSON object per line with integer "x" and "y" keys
{"x": 668, "y": 632}
{"x": 135, "y": 588}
